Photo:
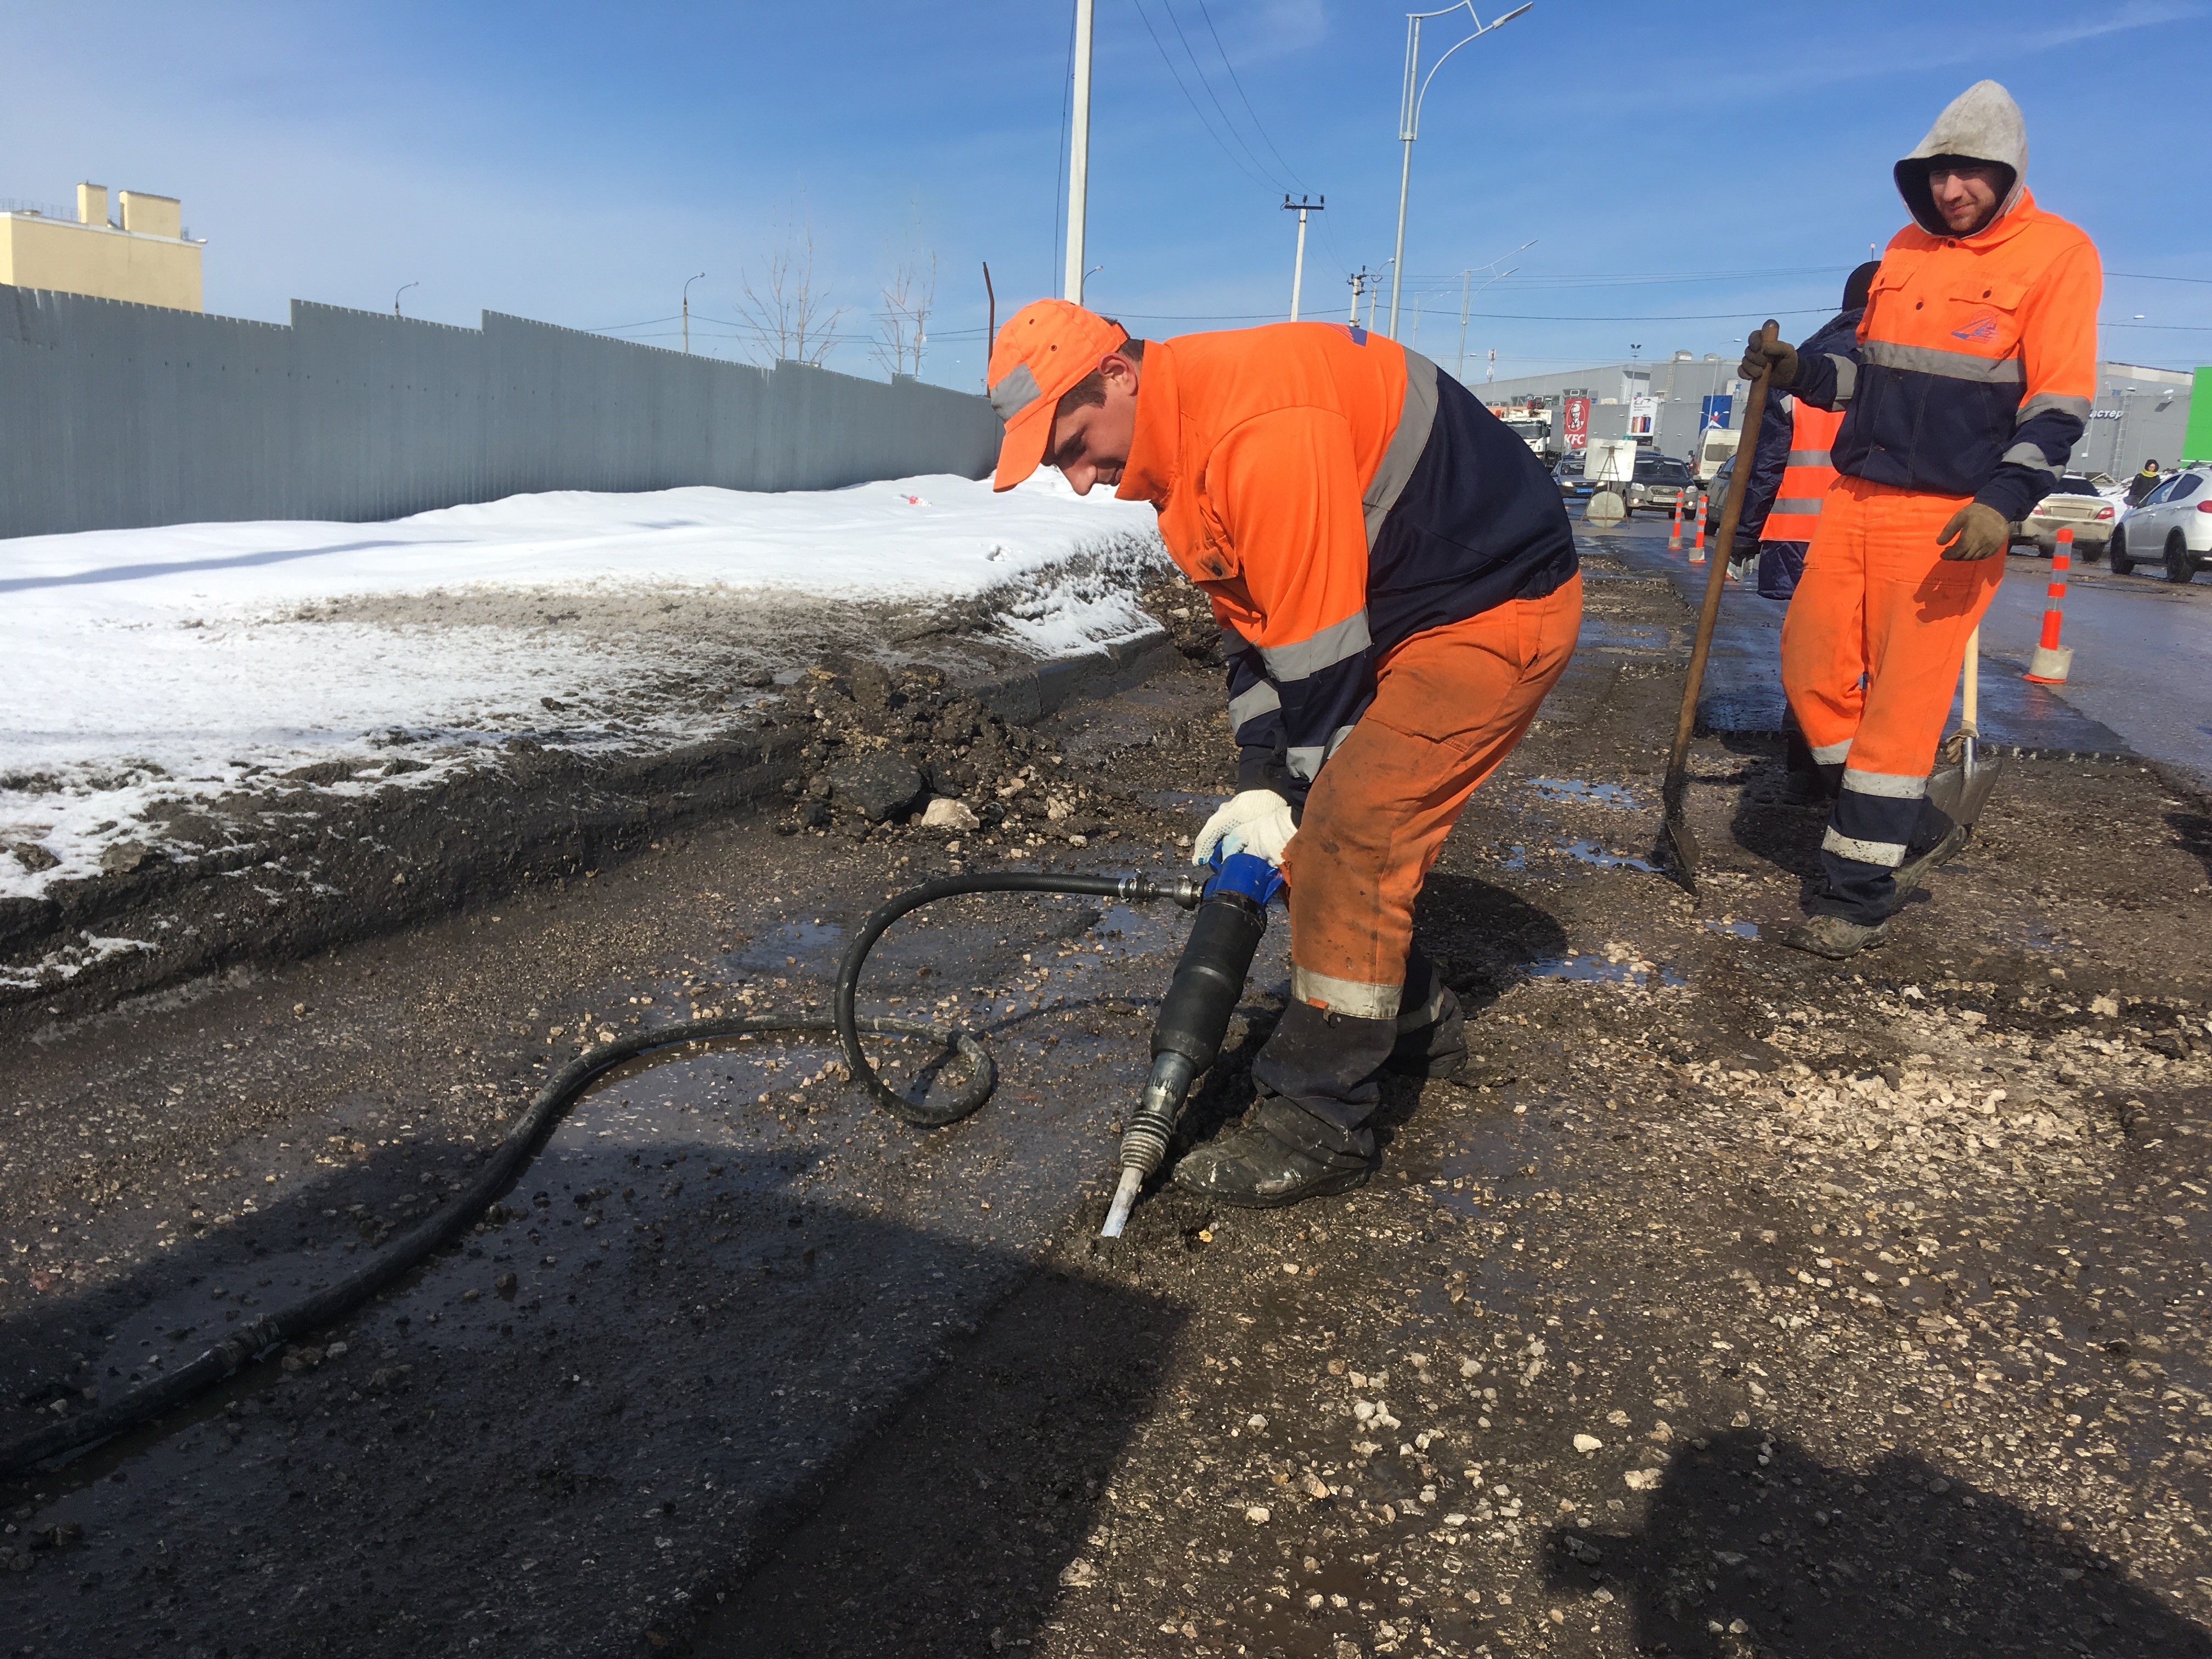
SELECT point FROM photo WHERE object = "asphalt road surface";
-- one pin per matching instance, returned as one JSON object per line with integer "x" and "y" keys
{"x": 1731, "y": 1303}
{"x": 2142, "y": 652}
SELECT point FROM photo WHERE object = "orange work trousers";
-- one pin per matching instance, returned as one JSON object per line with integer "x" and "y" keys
{"x": 1871, "y": 650}
{"x": 1450, "y": 704}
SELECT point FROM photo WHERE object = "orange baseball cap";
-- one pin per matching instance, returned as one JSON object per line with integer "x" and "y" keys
{"x": 1041, "y": 355}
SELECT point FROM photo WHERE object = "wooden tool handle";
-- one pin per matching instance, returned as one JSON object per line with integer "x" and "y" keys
{"x": 1970, "y": 706}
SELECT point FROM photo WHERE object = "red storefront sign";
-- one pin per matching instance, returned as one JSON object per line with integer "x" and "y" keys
{"x": 1577, "y": 422}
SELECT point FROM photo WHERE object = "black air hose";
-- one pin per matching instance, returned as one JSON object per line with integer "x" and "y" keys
{"x": 332, "y": 1302}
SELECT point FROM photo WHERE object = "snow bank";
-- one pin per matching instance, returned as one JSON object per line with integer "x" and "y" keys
{"x": 165, "y": 667}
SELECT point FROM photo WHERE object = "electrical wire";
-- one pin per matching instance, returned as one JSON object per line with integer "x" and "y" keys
{"x": 1257, "y": 124}
{"x": 1199, "y": 70}
{"x": 1177, "y": 75}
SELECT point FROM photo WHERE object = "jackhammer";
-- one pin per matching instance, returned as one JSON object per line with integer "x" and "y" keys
{"x": 1233, "y": 917}
{"x": 1232, "y": 906}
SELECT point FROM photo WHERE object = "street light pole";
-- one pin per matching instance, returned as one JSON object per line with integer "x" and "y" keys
{"x": 1079, "y": 155}
{"x": 688, "y": 281}
{"x": 1298, "y": 270}
{"x": 1416, "y": 88}
{"x": 395, "y": 298}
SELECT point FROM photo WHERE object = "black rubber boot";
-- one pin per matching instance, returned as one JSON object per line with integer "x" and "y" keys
{"x": 1251, "y": 1170}
{"x": 1307, "y": 1135}
{"x": 1432, "y": 1026}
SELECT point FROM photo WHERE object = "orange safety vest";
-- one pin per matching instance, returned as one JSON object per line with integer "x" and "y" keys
{"x": 1806, "y": 478}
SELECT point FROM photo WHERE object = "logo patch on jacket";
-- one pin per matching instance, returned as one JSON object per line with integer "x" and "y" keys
{"x": 1984, "y": 327}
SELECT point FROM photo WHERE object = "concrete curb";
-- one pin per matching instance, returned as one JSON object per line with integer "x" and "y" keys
{"x": 373, "y": 865}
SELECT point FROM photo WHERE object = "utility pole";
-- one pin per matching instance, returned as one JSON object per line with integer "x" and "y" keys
{"x": 1079, "y": 154}
{"x": 1357, "y": 279}
{"x": 1465, "y": 277}
{"x": 1298, "y": 269}
{"x": 1409, "y": 114}
{"x": 688, "y": 281}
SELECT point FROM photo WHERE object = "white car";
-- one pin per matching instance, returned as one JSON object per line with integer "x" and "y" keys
{"x": 2173, "y": 526}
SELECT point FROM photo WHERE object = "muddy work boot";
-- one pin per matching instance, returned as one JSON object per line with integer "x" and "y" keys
{"x": 1837, "y": 938}
{"x": 1307, "y": 1135}
{"x": 1251, "y": 1170}
{"x": 1431, "y": 1032}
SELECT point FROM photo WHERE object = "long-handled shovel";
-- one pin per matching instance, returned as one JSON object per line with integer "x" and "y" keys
{"x": 1960, "y": 786}
{"x": 1676, "y": 844}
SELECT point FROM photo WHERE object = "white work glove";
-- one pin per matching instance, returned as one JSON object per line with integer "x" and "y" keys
{"x": 1255, "y": 820}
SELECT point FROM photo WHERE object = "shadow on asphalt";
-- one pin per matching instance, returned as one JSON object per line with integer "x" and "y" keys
{"x": 1754, "y": 1546}
{"x": 691, "y": 1360}
{"x": 950, "y": 1532}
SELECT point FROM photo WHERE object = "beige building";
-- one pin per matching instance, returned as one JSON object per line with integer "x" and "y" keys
{"x": 145, "y": 259}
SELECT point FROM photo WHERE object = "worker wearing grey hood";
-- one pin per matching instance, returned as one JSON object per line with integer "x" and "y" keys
{"x": 1968, "y": 385}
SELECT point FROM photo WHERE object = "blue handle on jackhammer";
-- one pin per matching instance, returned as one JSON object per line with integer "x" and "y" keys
{"x": 1247, "y": 873}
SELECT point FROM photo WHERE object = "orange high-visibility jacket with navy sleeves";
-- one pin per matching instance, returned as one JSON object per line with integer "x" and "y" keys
{"x": 1333, "y": 494}
{"x": 1976, "y": 361}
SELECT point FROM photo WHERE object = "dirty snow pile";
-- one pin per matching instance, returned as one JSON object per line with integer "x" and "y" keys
{"x": 142, "y": 665}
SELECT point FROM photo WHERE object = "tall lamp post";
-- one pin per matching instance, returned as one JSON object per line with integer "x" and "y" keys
{"x": 395, "y": 298}
{"x": 688, "y": 281}
{"x": 1409, "y": 114}
{"x": 1301, "y": 206}
{"x": 1079, "y": 156}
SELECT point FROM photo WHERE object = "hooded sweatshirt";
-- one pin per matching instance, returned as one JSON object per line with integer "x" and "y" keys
{"x": 1977, "y": 358}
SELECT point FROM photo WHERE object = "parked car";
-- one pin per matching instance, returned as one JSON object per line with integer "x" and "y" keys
{"x": 2075, "y": 503}
{"x": 2173, "y": 526}
{"x": 1660, "y": 482}
{"x": 1568, "y": 474}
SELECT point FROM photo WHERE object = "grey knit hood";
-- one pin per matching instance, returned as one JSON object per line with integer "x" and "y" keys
{"x": 1983, "y": 124}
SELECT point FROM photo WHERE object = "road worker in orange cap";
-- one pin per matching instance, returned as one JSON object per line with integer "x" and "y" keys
{"x": 1969, "y": 384}
{"x": 1397, "y": 589}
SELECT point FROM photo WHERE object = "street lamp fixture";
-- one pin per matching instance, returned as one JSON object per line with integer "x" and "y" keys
{"x": 688, "y": 281}
{"x": 1415, "y": 89}
{"x": 395, "y": 298}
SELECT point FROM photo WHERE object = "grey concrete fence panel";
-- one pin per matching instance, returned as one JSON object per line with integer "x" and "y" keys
{"x": 113, "y": 416}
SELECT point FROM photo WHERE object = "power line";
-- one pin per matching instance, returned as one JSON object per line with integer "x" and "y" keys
{"x": 1258, "y": 126}
{"x": 1187, "y": 99}
{"x": 1199, "y": 70}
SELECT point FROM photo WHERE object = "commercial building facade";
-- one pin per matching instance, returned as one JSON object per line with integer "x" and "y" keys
{"x": 144, "y": 257}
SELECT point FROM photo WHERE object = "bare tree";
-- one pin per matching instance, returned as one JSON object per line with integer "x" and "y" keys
{"x": 791, "y": 317}
{"x": 903, "y": 326}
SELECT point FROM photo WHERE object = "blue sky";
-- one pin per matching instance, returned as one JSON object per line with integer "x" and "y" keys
{"x": 1681, "y": 171}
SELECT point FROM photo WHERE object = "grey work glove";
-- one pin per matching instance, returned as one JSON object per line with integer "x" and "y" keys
{"x": 1767, "y": 350}
{"x": 1974, "y": 531}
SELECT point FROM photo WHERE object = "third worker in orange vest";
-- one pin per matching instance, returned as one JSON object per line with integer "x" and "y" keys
{"x": 1969, "y": 384}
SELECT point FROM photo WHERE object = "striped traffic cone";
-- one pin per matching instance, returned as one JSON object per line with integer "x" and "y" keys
{"x": 1675, "y": 535}
{"x": 1697, "y": 547}
{"x": 2051, "y": 660}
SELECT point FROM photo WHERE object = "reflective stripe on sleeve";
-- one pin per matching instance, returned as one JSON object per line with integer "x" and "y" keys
{"x": 1347, "y": 996}
{"x": 1897, "y": 786}
{"x": 2025, "y": 454}
{"x": 1305, "y": 760}
{"x": 2046, "y": 402}
{"x": 1417, "y": 418}
{"x": 1847, "y": 377}
{"x": 1887, "y": 853}
{"x": 1324, "y": 648}
{"x": 1951, "y": 365}
{"x": 1252, "y": 703}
